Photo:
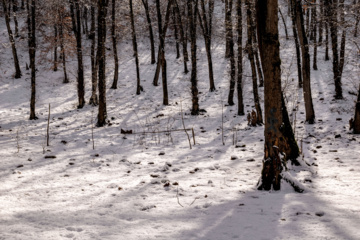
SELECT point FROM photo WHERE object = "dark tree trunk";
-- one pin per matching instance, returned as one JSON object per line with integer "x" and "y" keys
{"x": 231, "y": 55}
{"x": 12, "y": 41}
{"x": 321, "y": 22}
{"x": 182, "y": 37}
{"x": 227, "y": 28}
{"x": 138, "y": 87}
{"x": 309, "y": 109}
{"x": 55, "y": 68}
{"x": 283, "y": 20}
{"x": 192, "y": 11}
{"x": 151, "y": 34}
{"x": 85, "y": 20}
{"x": 332, "y": 6}
{"x": 102, "y": 12}
{"x": 77, "y": 31}
{"x": 327, "y": 58}
{"x": 314, "y": 15}
{"x": 62, "y": 48}
{"x": 15, "y": 10}
{"x": 297, "y": 45}
{"x": 277, "y": 130}
{"x": 114, "y": 43}
{"x": 206, "y": 29}
{"x": 176, "y": 33}
{"x": 32, "y": 52}
{"x": 161, "y": 64}
{"x": 356, "y": 122}
{"x": 94, "y": 98}
{"x": 250, "y": 49}
{"x": 241, "y": 111}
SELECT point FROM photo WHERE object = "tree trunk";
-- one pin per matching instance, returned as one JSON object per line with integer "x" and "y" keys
{"x": 94, "y": 98}
{"x": 32, "y": 52}
{"x": 192, "y": 11}
{"x": 62, "y": 48}
{"x": 327, "y": 58}
{"x": 55, "y": 68}
{"x": 231, "y": 55}
{"x": 114, "y": 42}
{"x": 241, "y": 111}
{"x": 102, "y": 12}
{"x": 227, "y": 28}
{"x": 12, "y": 41}
{"x": 309, "y": 109}
{"x": 138, "y": 87}
{"x": 250, "y": 48}
{"x": 314, "y": 15}
{"x": 151, "y": 34}
{"x": 176, "y": 33}
{"x": 15, "y": 10}
{"x": 277, "y": 131}
{"x": 204, "y": 23}
{"x": 356, "y": 123}
{"x": 283, "y": 20}
{"x": 182, "y": 37}
{"x": 77, "y": 31}
{"x": 321, "y": 22}
{"x": 297, "y": 45}
{"x": 332, "y": 7}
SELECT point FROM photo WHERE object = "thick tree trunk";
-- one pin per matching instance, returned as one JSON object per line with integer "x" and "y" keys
{"x": 192, "y": 10}
{"x": 12, "y": 41}
{"x": 241, "y": 111}
{"x": 94, "y": 97}
{"x": 151, "y": 34}
{"x": 114, "y": 43}
{"x": 277, "y": 132}
{"x": 138, "y": 87}
{"x": 102, "y": 12}
{"x": 309, "y": 108}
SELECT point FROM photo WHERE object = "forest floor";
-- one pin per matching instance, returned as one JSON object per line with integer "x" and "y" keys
{"x": 153, "y": 186}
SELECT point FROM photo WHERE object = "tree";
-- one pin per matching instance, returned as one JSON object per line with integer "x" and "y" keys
{"x": 297, "y": 45}
{"x": 251, "y": 54}
{"x": 309, "y": 108}
{"x": 102, "y": 12}
{"x": 356, "y": 122}
{"x": 151, "y": 34}
{"x": 182, "y": 36}
{"x": 230, "y": 53}
{"x": 75, "y": 18}
{"x": 31, "y": 9}
{"x": 138, "y": 87}
{"x": 278, "y": 132}
{"x": 94, "y": 63}
{"x": 114, "y": 42}
{"x": 12, "y": 41}
{"x": 206, "y": 26}
{"x": 192, "y": 11}
{"x": 239, "y": 59}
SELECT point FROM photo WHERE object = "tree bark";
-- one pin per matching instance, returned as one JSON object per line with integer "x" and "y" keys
{"x": 55, "y": 68}
{"x": 94, "y": 97}
{"x": 250, "y": 49}
{"x": 297, "y": 45}
{"x": 182, "y": 37}
{"x": 151, "y": 34}
{"x": 32, "y": 52}
{"x": 277, "y": 132}
{"x": 356, "y": 123}
{"x": 114, "y": 43}
{"x": 314, "y": 15}
{"x": 62, "y": 48}
{"x": 135, "y": 48}
{"x": 192, "y": 11}
{"x": 77, "y": 31}
{"x": 12, "y": 41}
{"x": 309, "y": 108}
{"x": 102, "y": 12}
{"x": 241, "y": 111}
{"x": 230, "y": 54}
{"x": 206, "y": 29}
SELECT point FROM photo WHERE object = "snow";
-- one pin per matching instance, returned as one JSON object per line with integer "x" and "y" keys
{"x": 126, "y": 189}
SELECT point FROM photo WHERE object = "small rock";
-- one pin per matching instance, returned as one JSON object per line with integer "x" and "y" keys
{"x": 233, "y": 157}
{"x": 162, "y": 153}
{"x": 320, "y": 214}
{"x": 151, "y": 163}
{"x": 332, "y": 150}
{"x": 175, "y": 183}
{"x": 337, "y": 136}
{"x": 251, "y": 160}
{"x": 154, "y": 175}
{"x": 338, "y": 119}
{"x": 20, "y": 166}
{"x": 318, "y": 147}
{"x": 210, "y": 182}
{"x": 50, "y": 156}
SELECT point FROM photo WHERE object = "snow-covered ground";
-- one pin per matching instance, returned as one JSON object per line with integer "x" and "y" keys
{"x": 154, "y": 186}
